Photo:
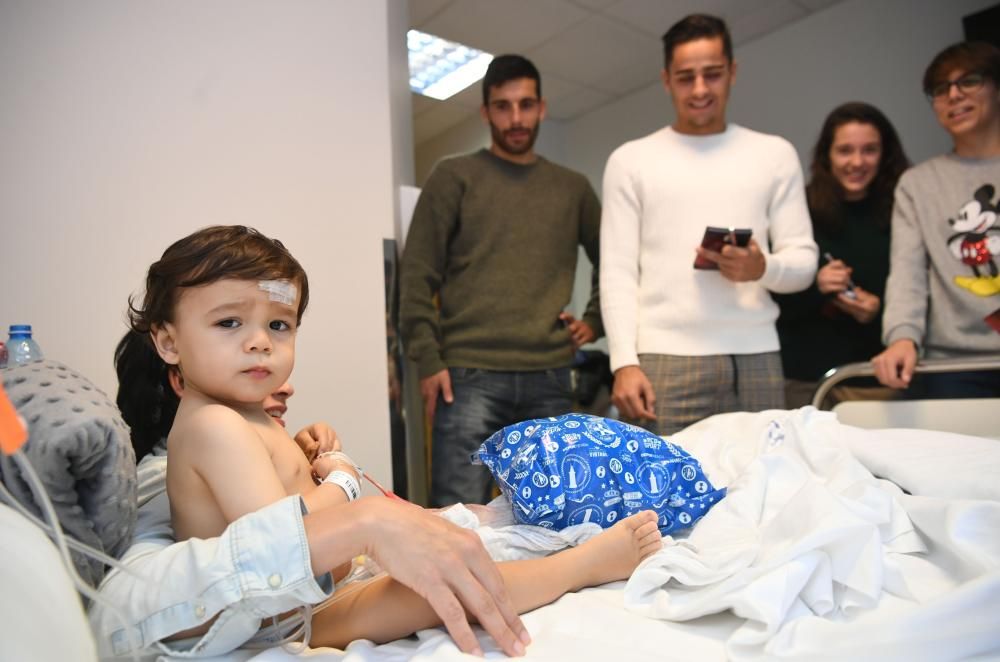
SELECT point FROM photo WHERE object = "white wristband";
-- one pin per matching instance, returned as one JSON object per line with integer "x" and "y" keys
{"x": 346, "y": 482}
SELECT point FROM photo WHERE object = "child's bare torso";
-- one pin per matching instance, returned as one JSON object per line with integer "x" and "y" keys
{"x": 196, "y": 511}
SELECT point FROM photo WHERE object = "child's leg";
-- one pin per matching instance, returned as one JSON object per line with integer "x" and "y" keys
{"x": 383, "y": 610}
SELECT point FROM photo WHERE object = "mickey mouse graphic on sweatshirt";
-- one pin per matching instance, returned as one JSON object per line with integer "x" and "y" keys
{"x": 976, "y": 242}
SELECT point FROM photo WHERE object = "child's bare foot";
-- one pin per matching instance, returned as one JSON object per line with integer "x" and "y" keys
{"x": 615, "y": 553}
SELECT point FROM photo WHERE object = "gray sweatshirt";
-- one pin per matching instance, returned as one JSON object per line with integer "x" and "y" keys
{"x": 945, "y": 229}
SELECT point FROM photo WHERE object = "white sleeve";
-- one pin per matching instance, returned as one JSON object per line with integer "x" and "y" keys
{"x": 619, "y": 272}
{"x": 793, "y": 257}
{"x": 259, "y": 567}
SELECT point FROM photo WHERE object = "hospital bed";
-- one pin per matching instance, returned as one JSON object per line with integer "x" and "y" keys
{"x": 973, "y": 416}
{"x": 834, "y": 542}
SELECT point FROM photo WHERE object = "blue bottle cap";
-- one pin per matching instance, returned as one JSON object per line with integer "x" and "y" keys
{"x": 20, "y": 329}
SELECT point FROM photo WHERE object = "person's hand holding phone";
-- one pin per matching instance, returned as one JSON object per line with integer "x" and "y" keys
{"x": 714, "y": 240}
{"x": 834, "y": 277}
{"x": 736, "y": 263}
{"x": 733, "y": 252}
{"x": 860, "y": 304}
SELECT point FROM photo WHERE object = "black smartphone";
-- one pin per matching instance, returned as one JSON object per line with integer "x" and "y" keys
{"x": 715, "y": 238}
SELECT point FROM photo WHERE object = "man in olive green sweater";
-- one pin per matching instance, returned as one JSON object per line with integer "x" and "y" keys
{"x": 494, "y": 236}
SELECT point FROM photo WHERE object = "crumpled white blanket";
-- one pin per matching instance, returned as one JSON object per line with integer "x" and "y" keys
{"x": 807, "y": 543}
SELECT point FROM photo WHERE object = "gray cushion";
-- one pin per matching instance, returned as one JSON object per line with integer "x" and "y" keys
{"x": 80, "y": 448}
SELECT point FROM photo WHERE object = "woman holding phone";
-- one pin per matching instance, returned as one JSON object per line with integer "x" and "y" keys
{"x": 856, "y": 163}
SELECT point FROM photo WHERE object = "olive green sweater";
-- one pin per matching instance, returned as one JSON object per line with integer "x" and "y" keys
{"x": 497, "y": 242}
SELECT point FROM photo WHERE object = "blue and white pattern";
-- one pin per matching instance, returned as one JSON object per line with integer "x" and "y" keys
{"x": 577, "y": 468}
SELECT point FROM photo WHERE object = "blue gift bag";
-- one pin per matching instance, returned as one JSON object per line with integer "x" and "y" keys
{"x": 577, "y": 468}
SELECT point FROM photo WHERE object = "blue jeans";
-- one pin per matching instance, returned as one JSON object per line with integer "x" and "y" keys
{"x": 485, "y": 401}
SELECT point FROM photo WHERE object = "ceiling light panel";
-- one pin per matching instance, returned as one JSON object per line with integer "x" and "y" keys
{"x": 440, "y": 68}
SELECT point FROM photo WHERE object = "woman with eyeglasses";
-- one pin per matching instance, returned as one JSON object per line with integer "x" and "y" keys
{"x": 943, "y": 293}
{"x": 856, "y": 163}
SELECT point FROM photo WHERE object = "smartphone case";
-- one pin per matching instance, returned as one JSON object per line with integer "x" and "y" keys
{"x": 715, "y": 238}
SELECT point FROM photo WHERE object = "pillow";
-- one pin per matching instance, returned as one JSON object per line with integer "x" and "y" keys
{"x": 80, "y": 448}
{"x": 577, "y": 468}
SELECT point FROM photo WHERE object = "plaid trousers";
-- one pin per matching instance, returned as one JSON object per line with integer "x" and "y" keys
{"x": 690, "y": 388}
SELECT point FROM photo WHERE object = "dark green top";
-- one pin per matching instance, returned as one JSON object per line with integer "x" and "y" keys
{"x": 497, "y": 241}
{"x": 816, "y": 336}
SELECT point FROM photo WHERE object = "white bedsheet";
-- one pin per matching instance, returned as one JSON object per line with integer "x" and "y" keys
{"x": 824, "y": 561}
{"x": 808, "y": 557}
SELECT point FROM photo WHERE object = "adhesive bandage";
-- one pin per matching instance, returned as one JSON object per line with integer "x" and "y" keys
{"x": 281, "y": 291}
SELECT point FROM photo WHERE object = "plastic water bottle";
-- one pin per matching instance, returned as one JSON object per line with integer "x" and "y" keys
{"x": 21, "y": 347}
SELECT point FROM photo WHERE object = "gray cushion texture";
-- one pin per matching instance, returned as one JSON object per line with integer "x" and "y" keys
{"x": 80, "y": 447}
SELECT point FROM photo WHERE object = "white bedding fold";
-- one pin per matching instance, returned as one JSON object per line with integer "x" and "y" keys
{"x": 808, "y": 540}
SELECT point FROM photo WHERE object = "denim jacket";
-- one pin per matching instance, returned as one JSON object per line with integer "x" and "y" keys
{"x": 258, "y": 568}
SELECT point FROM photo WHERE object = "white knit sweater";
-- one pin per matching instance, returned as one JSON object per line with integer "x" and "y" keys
{"x": 660, "y": 192}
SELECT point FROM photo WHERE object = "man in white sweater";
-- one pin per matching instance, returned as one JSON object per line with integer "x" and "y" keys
{"x": 686, "y": 343}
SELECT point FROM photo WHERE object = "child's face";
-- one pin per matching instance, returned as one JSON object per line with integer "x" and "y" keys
{"x": 233, "y": 341}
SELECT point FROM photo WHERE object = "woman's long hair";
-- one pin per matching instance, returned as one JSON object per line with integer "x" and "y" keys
{"x": 825, "y": 194}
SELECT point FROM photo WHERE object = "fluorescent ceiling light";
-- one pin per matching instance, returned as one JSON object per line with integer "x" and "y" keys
{"x": 439, "y": 68}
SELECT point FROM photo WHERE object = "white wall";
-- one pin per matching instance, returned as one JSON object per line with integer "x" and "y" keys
{"x": 787, "y": 81}
{"x": 127, "y": 125}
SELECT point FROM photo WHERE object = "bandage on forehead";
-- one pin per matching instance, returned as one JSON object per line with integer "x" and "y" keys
{"x": 282, "y": 291}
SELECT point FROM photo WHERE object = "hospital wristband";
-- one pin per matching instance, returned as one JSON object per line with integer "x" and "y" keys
{"x": 346, "y": 482}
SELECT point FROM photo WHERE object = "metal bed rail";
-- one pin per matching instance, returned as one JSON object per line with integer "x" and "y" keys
{"x": 842, "y": 373}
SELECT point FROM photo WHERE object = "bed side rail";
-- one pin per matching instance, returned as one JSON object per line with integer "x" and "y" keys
{"x": 839, "y": 374}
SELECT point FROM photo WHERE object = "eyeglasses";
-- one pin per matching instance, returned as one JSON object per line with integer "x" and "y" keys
{"x": 967, "y": 84}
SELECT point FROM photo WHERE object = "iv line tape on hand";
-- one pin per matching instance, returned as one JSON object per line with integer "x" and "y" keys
{"x": 343, "y": 479}
{"x": 340, "y": 455}
{"x": 343, "y": 457}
